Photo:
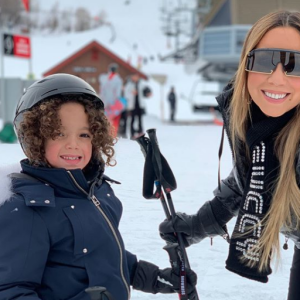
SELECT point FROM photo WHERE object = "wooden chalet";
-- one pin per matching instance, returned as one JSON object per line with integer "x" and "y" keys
{"x": 91, "y": 61}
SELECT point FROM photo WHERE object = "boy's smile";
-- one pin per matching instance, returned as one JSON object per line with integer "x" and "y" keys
{"x": 72, "y": 148}
{"x": 71, "y": 159}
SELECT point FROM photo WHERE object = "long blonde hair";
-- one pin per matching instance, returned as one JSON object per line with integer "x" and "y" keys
{"x": 286, "y": 198}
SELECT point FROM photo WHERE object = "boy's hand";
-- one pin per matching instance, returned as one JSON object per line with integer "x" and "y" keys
{"x": 150, "y": 279}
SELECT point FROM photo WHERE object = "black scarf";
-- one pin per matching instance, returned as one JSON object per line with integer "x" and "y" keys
{"x": 257, "y": 197}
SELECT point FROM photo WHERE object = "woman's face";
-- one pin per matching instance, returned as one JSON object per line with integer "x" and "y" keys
{"x": 276, "y": 93}
{"x": 72, "y": 148}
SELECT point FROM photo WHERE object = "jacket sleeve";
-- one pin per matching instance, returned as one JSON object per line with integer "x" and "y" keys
{"x": 132, "y": 264}
{"x": 222, "y": 208}
{"x": 24, "y": 249}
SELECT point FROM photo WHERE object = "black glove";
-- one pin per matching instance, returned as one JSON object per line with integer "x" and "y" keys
{"x": 150, "y": 279}
{"x": 194, "y": 228}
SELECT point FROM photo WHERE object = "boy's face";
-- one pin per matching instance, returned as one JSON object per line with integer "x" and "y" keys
{"x": 72, "y": 148}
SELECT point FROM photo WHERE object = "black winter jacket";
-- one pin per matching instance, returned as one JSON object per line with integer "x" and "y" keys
{"x": 60, "y": 235}
{"x": 232, "y": 188}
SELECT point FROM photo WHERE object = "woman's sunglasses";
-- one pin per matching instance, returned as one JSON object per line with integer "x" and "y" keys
{"x": 266, "y": 60}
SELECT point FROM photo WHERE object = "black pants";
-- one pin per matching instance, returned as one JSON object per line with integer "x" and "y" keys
{"x": 172, "y": 110}
{"x": 294, "y": 286}
{"x": 123, "y": 124}
{"x": 136, "y": 114}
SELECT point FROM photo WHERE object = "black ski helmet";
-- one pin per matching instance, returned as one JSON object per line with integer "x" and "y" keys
{"x": 53, "y": 85}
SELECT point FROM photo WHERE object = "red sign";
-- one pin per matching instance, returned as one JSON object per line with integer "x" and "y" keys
{"x": 22, "y": 46}
{"x": 17, "y": 45}
{"x": 26, "y": 4}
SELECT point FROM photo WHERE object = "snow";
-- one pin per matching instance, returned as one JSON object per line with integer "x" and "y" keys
{"x": 192, "y": 152}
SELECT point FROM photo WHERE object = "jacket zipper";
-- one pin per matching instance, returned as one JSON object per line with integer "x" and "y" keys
{"x": 96, "y": 202}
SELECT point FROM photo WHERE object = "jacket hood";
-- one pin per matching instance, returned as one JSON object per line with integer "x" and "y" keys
{"x": 60, "y": 179}
{"x": 5, "y": 181}
{"x": 225, "y": 96}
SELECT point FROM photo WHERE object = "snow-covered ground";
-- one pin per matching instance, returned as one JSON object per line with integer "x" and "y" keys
{"x": 192, "y": 152}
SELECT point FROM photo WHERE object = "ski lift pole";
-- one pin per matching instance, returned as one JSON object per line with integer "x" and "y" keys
{"x": 177, "y": 253}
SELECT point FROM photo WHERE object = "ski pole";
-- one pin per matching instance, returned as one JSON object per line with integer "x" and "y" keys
{"x": 154, "y": 142}
{"x": 167, "y": 188}
{"x": 172, "y": 249}
{"x": 176, "y": 252}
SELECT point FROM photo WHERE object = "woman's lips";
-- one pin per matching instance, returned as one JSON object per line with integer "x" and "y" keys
{"x": 275, "y": 97}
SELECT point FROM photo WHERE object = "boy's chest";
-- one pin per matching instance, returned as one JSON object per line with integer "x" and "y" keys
{"x": 80, "y": 227}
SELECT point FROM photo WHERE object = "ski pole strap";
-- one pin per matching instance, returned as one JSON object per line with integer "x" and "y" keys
{"x": 154, "y": 171}
{"x": 161, "y": 166}
{"x": 150, "y": 178}
{"x": 149, "y": 175}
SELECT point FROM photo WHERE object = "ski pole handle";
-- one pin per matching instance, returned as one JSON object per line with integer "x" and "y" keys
{"x": 172, "y": 249}
{"x": 98, "y": 293}
{"x": 143, "y": 142}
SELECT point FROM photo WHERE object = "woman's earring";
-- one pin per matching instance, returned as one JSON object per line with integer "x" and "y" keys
{"x": 249, "y": 101}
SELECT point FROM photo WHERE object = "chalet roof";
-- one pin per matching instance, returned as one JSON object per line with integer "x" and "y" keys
{"x": 101, "y": 48}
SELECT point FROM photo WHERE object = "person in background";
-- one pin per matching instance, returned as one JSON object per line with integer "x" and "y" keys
{"x": 261, "y": 113}
{"x": 135, "y": 95}
{"x": 60, "y": 216}
{"x": 110, "y": 91}
{"x": 122, "y": 132}
{"x": 172, "y": 101}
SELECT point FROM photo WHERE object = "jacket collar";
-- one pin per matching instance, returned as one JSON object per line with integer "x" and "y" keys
{"x": 65, "y": 183}
{"x": 40, "y": 186}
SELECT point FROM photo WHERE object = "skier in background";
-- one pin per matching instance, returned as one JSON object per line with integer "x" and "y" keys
{"x": 172, "y": 101}
{"x": 135, "y": 95}
{"x": 110, "y": 91}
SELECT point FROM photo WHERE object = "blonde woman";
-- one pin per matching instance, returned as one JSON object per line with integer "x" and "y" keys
{"x": 261, "y": 113}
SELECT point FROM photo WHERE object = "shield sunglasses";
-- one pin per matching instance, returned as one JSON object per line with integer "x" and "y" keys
{"x": 265, "y": 60}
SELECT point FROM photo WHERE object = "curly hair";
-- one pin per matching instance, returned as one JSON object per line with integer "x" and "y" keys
{"x": 42, "y": 123}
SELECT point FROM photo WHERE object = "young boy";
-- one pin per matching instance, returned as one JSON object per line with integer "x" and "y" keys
{"x": 59, "y": 227}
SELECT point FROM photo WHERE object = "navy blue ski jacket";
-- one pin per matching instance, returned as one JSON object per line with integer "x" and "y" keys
{"x": 59, "y": 235}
